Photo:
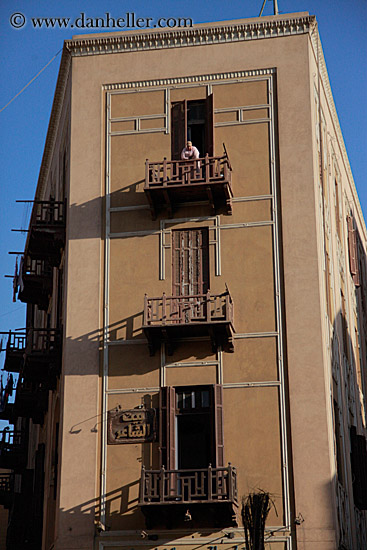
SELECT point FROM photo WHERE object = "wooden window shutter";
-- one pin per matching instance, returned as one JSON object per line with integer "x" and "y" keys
{"x": 190, "y": 262}
{"x": 209, "y": 130}
{"x": 218, "y": 425}
{"x": 353, "y": 253}
{"x": 167, "y": 419}
{"x": 178, "y": 128}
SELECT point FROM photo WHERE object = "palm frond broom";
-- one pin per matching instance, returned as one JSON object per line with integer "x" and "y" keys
{"x": 255, "y": 510}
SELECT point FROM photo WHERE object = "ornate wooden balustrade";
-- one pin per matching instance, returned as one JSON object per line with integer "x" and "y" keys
{"x": 47, "y": 231}
{"x": 35, "y": 282}
{"x": 6, "y": 489}
{"x": 13, "y": 449}
{"x": 172, "y": 317}
{"x": 15, "y": 350}
{"x": 214, "y": 489}
{"x": 171, "y": 183}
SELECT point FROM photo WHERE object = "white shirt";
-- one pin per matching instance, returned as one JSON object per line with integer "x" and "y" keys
{"x": 190, "y": 154}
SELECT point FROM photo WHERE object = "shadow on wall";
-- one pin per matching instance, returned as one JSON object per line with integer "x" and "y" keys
{"x": 83, "y": 215}
{"x": 121, "y": 504}
{"x": 348, "y": 409}
{"x": 129, "y": 328}
{"x": 86, "y": 517}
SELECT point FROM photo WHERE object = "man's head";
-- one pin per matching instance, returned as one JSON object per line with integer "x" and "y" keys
{"x": 189, "y": 145}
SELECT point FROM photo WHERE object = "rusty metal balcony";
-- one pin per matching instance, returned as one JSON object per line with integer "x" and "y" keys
{"x": 8, "y": 413}
{"x": 35, "y": 282}
{"x": 6, "y": 489}
{"x": 42, "y": 362}
{"x": 210, "y": 492}
{"x": 172, "y": 183}
{"x": 170, "y": 318}
{"x": 15, "y": 350}
{"x": 31, "y": 400}
{"x": 47, "y": 231}
{"x": 13, "y": 449}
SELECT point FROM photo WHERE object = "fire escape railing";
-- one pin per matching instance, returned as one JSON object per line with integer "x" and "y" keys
{"x": 11, "y": 439}
{"x": 40, "y": 268}
{"x": 6, "y": 483}
{"x": 16, "y": 341}
{"x": 43, "y": 340}
{"x": 48, "y": 213}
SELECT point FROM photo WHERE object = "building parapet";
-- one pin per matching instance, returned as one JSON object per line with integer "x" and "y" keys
{"x": 196, "y": 36}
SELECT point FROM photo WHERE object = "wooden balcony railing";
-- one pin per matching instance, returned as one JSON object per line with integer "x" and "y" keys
{"x": 34, "y": 282}
{"x": 199, "y": 308}
{"x": 15, "y": 349}
{"x": 209, "y": 485}
{"x": 47, "y": 231}
{"x": 170, "y": 183}
{"x": 169, "y": 317}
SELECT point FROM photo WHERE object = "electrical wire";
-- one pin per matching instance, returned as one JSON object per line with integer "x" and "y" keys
{"x": 30, "y": 82}
{"x": 10, "y": 312}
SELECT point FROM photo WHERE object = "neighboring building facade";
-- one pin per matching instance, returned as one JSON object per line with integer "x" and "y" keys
{"x": 195, "y": 331}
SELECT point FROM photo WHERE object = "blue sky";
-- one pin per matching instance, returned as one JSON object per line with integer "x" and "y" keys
{"x": 23, "y": 124}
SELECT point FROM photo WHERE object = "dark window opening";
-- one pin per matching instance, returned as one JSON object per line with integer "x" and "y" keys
{"x": 194, "y": 121}
{"x": 56, "y": 459}
{"x": 194, "y": 428}
{"x": 194, "y": 441}
{"x": 60, "y": 291}
{"x": 196, "y": 125}
{"x": 358, "y": 460}
{"x": 338, "y": 444}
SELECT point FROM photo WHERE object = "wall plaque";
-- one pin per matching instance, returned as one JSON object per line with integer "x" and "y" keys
{"x": 132, "y": 426}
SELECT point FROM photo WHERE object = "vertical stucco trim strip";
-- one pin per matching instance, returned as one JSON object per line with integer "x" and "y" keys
{"x": 106, "y": 313}
{"x": 278, "y": 302}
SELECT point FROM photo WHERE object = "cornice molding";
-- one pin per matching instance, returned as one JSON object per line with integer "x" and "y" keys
{"x": 196, "y": 36}
{"x": 195, "y": 79}
{"x": 53, "y": 126}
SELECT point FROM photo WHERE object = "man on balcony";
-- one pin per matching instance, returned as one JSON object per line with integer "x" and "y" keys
{"x": 190, "y": 152}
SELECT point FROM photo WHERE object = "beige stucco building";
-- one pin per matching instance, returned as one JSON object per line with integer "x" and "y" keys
{"x": 196, "y": 330}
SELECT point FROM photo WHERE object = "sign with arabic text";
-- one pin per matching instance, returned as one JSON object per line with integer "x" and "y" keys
{"x": 132, "y": 426}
